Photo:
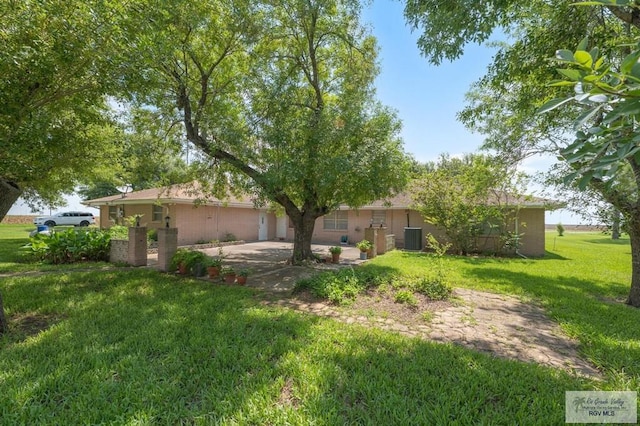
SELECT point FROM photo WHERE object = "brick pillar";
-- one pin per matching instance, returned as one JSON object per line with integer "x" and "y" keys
{"x": 137, "y": 246}
{"x": 382, "y": 240}
{"x": 371, "y": 235}
{"x": 167, "y": 246}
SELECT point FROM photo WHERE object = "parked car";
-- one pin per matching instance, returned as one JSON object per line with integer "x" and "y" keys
{"x": 66, "y": 218}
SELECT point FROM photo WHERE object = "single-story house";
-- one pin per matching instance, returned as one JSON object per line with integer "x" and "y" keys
{"x": 204, "y": 220}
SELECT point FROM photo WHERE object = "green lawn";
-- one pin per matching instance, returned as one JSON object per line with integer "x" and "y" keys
{"x": 140, "y": 347}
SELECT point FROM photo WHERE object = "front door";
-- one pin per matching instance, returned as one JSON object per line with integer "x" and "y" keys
{"x": 263, "y": 227}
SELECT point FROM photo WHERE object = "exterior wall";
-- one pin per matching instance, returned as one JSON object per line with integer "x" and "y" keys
{"x": 531, "y": 223}
{"x": 206, "y": 223}
{"x": 358, "y": 220}
{"x": 146, "y": 210}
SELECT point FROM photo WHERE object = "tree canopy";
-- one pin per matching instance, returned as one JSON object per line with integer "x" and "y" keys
{"x": 504, "y": 104}
{"x": 279, "y": 97}
{"x": 54, "y": 123}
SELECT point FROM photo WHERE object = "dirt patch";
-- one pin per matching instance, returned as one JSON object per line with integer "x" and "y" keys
{"x": 29, "y": 324}
{"x": 383, "y": 304}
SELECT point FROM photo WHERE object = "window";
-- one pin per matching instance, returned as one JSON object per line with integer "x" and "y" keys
{"x": 336, "y": 220}
{"x": 113, "y": 213}
{"x": 379, "y": 217}
{"x": 156, "y": 213}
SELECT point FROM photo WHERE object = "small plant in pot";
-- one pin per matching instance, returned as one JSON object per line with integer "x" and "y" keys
{"x": 241, "y": 278}
{"x": 189, "y": 261}
{"x": 213, "y": 267}
{"x": 335, "y": 253}
{"x": 364, "y": 246}
{"x": 228, "y": 274}
{"x": 179, "y": 261}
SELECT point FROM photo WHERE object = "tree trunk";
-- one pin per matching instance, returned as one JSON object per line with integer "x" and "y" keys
{"x": 634, "y": 236}
{"x": 615, "y": 225}
{"x": 303, "y": 225}
{"x": 9, "y": 194}
{"x": 4, "y": 325}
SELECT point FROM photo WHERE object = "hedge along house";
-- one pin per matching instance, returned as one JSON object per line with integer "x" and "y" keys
{"x": 396, "y": 215}
{"x": 197, "y": 217}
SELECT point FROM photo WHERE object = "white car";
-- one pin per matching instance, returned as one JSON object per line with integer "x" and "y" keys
{"x": 66, "y": 218}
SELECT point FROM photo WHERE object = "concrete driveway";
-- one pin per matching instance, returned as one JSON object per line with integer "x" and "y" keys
{"x": 268, "y": 262}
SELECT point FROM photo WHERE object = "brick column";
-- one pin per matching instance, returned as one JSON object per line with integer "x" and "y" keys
{"x": 371, "y": 235}
{"x": 382, "y": 240}
{"x": 137, "y": 246}
{"x": 167, "y": 246}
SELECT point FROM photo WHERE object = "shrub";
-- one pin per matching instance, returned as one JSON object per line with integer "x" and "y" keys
{"x": 72, "y": 245}
{"x": 341, "y": 287}
{"x": 152, "y": 234}
{"x": 433, "y": 287}
{"x": 229, "y": 237}
{"x": 119, "y": 232}
{"x": 406, "y": 296}
{"x": 560, "y": 229}
{"x": 190, "y": 258}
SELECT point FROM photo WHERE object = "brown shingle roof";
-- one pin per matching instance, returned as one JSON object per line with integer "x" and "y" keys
{"x": 178, "y": 194}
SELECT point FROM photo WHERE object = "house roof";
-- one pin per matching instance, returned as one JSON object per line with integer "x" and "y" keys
{"x": 175, "y": 194}
{"x": 405, "y": 201}
{"x": 192, "y": 193}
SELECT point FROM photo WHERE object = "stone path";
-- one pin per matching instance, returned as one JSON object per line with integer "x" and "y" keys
{"x": 498, "y": 324}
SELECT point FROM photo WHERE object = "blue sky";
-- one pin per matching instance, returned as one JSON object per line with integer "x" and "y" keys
{"x": 426, "y": 97}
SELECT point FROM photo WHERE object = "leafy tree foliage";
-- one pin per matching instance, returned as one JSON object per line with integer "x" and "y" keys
{"x": 464, "y": 196}
{"x": 504, "y": 103}
{"x": 151, "y": 155}
{"x": 54, "y": 66}
{"x": 279, "y": 97}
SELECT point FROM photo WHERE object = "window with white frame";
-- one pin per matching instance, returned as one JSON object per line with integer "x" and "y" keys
{"x": 379, "y": 217}
{"x": 156, "y": 213}
{"x": 113, "y": 213}
{"x": 336, "y": 220}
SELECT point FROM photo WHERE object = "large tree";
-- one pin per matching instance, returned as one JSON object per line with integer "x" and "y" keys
{"x": 54, "y": 67}
{"x": 280, "y": 94}
{"x": 151, "y": 155}
{"x": 503, "y": 105}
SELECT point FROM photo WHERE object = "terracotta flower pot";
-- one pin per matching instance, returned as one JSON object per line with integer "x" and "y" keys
{"x": 241, "y": 279}
{"x": 335, "y": 257}
{"x": 213, "y": 271}
{"x": 230, "y": 278}
{"x": 182, "y": 268}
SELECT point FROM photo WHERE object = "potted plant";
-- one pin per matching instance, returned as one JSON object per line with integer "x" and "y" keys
{"x": 229, "y": 275}
{"x": 364, "y": 246}
{"x": 241, "y": 278}
{"x": 335, "y": 253}
{"x": 179, "y": 261}
{"x": 189, "y": 261}
{"x": 213, "y": 267}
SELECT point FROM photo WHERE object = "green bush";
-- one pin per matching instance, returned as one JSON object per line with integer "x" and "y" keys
{"x": 152, "y": 234}
{"x": 72, "y": 245}
{"x": 342, "y": 287}
{"x": 119, "y": 232}
{"x": 406, "y": 296}
{"x": 433, "y": 287}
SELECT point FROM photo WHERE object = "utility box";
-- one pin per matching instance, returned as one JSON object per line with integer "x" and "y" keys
{"x": 413, "y": 238}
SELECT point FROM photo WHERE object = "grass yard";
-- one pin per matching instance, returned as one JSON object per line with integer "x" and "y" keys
{"x": 140, "y": 347}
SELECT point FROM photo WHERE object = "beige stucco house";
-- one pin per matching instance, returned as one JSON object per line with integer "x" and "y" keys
{"x": 203, "y": 220}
